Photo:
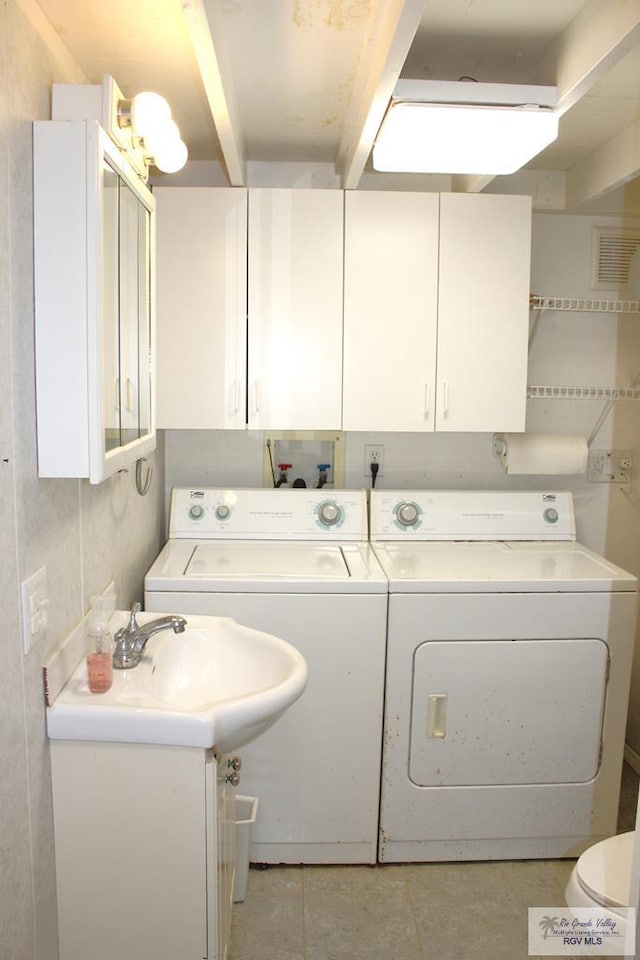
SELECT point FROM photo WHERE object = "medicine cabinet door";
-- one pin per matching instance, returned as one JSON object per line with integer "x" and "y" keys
{"x": 134, "y": 399}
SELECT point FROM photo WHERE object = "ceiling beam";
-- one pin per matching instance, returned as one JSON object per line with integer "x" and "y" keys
{"x": 601, "y": 34}
{"x": 391, "y": 28}
{"x": 612, "y": 165}
{"x": 218, "y": 88}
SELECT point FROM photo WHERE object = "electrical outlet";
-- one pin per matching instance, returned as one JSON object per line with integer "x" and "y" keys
{"x": 373, "y": 453}
{"x": 610, "y": 466}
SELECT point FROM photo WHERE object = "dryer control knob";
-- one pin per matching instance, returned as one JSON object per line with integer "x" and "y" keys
{"x": 196, "y": 511}
{"x": 329, "y": 513}
{"x": 551, "y": 515}
{"x": 407, "y": 513}
{"x": 223, "y": 512}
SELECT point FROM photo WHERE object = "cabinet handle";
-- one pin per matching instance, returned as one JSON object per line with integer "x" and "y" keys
{"x": 234, "y": 397}
{"x": 437, "y": 716}
{"x": 256, "y": 396}
{"x": 426, "y": 398}
{"x": 445, "y": 397}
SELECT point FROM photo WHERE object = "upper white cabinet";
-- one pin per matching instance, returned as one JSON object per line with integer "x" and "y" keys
{"x": 290, "y": 344}
{"x": 390, "y": 310}
{"x": 202, "y": 307}
{"x": 259, "y": 293}
{"x": 483, "y": 312}
{"x": 94, "y": 298}
{"x": 436, "y": 311}
{"x": 295, "y": 309}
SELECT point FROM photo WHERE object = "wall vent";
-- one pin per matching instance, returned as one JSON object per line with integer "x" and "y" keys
{"x": 613, "y": 252}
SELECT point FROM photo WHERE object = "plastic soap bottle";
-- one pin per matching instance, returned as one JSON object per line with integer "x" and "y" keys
{"x": 99, "y": 645}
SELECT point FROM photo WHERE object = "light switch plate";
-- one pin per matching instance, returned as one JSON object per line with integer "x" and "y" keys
{"x": 35, "y": 600}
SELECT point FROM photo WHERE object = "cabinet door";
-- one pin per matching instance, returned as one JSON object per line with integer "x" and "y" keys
{"x": 483, "y": 312}
{"x": 110, "y": 370}
{"x": 201, "y": 242}
{"x": 129, "y": 312}
{"x": 295, "y": 309}
{"x": 390, "y": 310}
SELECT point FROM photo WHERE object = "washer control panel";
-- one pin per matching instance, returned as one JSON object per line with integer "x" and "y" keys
{"x": 471, "y": 515}
{"x": 268, "y": 514}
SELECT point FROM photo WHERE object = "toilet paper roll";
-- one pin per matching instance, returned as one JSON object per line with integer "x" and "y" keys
{"x": 521, "y": 453}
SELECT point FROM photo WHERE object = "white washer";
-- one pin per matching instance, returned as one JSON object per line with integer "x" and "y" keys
{"x": 508, "y": 670}
{"x": 295, "y": 563}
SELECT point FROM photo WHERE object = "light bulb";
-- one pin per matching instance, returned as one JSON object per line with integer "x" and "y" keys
{"x": 148, "y": 112}
{"x": 172, "y": 157}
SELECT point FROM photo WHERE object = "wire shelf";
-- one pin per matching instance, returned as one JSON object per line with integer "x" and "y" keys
{"x": 535, "y": 392}
{"x": 584, "y": 306}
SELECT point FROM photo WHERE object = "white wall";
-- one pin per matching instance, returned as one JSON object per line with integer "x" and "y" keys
{"x": 85, "y": 536}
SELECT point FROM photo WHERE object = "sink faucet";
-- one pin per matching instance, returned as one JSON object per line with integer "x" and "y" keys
{"x": 131, "y": 640}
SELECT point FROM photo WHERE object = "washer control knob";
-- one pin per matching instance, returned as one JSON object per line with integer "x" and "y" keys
{"x": 551, "y": 515}
{"x": 196, "y": 511}
{"x": 407, "y": 513}
{"x": 223, "y": 512}
{"x": 329, "y": 513}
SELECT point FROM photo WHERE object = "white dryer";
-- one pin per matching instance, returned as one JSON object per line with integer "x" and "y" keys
{"x": 508, "y": 671}
{"x": 297, "y": 564}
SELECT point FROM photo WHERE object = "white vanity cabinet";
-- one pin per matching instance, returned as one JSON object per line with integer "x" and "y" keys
{"x": 436, "y": 311}
{"x": 144, "y": 851}
{"x": 202, "y": 307}
{"x": 295, "y": 309}
{"x": 94, "y": 303}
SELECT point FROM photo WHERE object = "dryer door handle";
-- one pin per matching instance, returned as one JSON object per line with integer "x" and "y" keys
{"x": 437, "y": 716}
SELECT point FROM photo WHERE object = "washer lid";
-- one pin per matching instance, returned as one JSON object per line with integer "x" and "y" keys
{"x": 261, "y": 566}
{"x": 266, "y": 560}
{"x": 604, "y": 870}
{"x": 428, "y": 567}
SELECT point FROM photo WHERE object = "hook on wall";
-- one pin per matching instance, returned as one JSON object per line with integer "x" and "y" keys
{"x": 143, "y": 484}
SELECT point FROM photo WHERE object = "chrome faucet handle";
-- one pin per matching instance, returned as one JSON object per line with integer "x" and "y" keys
{"x": 125, "y": 654}
{"x": 133, "y": 623}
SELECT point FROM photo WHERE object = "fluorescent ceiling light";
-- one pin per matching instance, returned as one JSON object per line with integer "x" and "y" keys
{"x": 464, "y": 127}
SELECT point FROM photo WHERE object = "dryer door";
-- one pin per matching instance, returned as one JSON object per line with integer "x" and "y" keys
{"x": 507, "y": 711}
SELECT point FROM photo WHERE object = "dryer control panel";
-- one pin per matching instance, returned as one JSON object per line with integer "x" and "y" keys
{"x": 209, "y": 513}
{"x": 472, "y": 515}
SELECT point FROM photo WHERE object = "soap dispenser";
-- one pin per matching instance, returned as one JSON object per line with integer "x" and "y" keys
{"x": 99, "y": 645}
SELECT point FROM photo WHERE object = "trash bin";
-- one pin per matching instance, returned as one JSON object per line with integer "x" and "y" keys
{"x": 246, "y": 810}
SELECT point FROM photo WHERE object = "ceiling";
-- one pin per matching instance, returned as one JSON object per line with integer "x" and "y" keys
{"x": 307, "y": 81}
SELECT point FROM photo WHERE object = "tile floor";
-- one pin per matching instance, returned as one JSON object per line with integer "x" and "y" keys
{"x": 437, "y": 911}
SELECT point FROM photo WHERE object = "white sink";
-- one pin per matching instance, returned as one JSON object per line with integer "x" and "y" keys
{"x": 218, "y": 684}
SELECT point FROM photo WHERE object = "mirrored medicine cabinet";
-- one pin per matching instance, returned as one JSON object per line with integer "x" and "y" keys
{"x": 94, "y": 290}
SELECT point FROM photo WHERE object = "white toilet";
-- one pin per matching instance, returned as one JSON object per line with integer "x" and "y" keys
{"x": 602, "y": 876}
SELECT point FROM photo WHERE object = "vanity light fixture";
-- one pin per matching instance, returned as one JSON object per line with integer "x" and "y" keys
{"x": 141, "y": 127}
{"x": 147, "y": 117}
{"x": 464, "y": 127}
